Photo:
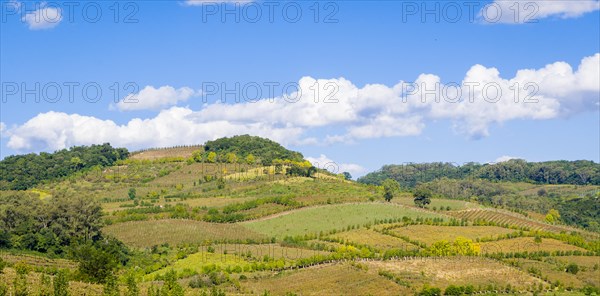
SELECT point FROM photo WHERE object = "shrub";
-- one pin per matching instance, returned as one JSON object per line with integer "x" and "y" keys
{"x": 430, "y": 291}
{"x": 572, "y": 268}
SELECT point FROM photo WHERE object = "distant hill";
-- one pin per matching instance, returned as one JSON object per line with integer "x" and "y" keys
{"x": 580, "y": 172}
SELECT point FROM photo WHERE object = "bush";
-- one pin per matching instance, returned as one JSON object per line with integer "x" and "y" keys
{"x": 572, "y": 268}
{"x": 454, "y": 290}
{"x": 430, "y": 291}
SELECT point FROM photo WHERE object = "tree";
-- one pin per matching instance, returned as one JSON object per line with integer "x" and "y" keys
{"x": 553, "y": 216}
{"x": 250, "y": 159}
{"x": 231, "y": 157}
{"x": 390, "y": 187}
{"x": 131, "y": 193}
{"x": 211, "y": 157}
{"x": 197, "y": 155}
{"x": 422, "y": 196}
{"x": 347, "y": 176}
{"x": 61, "y": 284}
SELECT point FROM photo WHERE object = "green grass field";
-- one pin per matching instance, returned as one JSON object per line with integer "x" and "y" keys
{"x": 330, "y": 217}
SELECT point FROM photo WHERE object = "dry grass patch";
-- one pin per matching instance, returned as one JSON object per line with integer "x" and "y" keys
{"x": 526, "y": 244}
{"x": 334, "y": 279}
{"x": 457, "y": 271}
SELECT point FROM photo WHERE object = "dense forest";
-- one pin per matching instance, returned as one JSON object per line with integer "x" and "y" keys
{"x": 579, "y": 172}
{"x": 261, "y": 148}
{"x": 60, "y": 227}
{"x": 20, "y": 172}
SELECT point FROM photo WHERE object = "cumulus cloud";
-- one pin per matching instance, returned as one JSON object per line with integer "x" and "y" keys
{"x": 151, "y": 98}
{"x": 45, "y": 17}
{"x": 2, "y": 129}
{"x": 324, "y": 162}
{"x": 518, "y": 12}
{"x": 174, "y": 126}
{"x": 341, "y": 111}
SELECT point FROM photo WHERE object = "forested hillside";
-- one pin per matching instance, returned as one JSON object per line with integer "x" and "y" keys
{"x": 19, "y": 172}
{"x": 581, "y": 172}
{"x": 263, "y": 149}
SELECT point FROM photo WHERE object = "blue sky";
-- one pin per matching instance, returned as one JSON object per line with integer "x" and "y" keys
{"x": 167, "y": 57}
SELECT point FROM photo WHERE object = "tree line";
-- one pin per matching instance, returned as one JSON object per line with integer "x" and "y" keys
{"x": 580, "y": 172}
{"x": 20, "y": 172}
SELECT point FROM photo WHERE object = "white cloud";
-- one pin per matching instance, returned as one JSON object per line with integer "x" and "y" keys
{"x": 45, "y": 17}
{"x": 174, "y": 126}
{"x": 518, "y": 12}
{"x": 323, "y": 162}
{"x": 505, "y": 158}
{"x": 373, "y": 111}
{"x": 2, "y": 129}
{"x": 150, "y": 98}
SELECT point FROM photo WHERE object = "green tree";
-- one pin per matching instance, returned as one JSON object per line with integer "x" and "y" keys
{"x": 347, "y": 176}
{"x": 422, "y": 197}
{"x": 390, "y": 187}
{"x": 211, "y": 157}
{"x": 99, "y": 260}
{"x": 131, "y": 193}
{"x": 231, "y": 157}
{"x": 61, "y": 284}
{"x": 553, "y": 216}
{"x": 197, "y": 155}
{"x": 250, "y": 159}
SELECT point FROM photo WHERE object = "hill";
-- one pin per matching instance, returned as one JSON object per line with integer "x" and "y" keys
{"x": 170, "y": 219}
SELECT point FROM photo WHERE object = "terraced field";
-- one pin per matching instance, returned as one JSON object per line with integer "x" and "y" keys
{"x": 429, "y": 234}
{"x": 330, "y": 217}
{"x": 505, "y": 217}
{"x": 526, "y": 244}
{"x": 153, "y": 154}
{"x": 479, "y": 272}
{"x": 144, "y": 234}
{"x": 332, "y": 279}
{"x": 374, "y": 239}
